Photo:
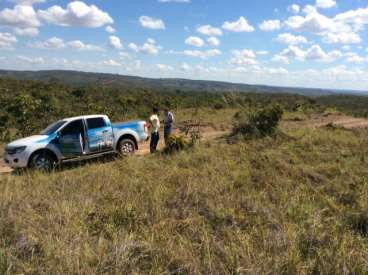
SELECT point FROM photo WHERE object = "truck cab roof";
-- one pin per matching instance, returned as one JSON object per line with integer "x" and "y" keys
{"x": 84, "y": 117}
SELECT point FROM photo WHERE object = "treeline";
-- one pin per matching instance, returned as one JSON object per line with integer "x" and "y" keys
{"x": 349, "y": 104}
{"x": 28, "y": 106}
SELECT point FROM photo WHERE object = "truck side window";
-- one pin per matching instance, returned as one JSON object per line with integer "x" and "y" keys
{"x": 96, "y": 123}
{"x": 73, "y": 128}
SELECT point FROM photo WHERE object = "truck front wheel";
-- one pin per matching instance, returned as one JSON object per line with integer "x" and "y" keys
{"x": 42, "y": 161}
{"x": 126, "y": 147}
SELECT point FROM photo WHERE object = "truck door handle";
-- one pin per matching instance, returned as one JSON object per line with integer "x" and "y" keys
{"x": 105, "y": 131}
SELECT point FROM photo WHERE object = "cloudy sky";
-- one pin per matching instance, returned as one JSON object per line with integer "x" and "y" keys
{"x": 305, "y": 43}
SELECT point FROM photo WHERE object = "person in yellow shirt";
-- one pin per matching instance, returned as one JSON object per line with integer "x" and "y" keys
{"x": 154, "y": 121}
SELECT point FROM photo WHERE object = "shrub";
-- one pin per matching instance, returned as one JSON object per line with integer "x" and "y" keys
{"x": 175, "y": 144}
{"x": 263, "y": 122}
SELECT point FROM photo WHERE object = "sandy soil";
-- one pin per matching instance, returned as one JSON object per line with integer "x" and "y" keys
{"x": 339, "y": 121}
{"x": 208, "y": 133}
{"x": 3, "y": 168}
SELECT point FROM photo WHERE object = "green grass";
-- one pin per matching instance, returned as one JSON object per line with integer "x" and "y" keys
{"x": 275, "y": 205}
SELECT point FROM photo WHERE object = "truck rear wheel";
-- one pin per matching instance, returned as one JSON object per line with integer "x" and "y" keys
{"x": 42, "y": 161}
{"x": 126, "y": 147}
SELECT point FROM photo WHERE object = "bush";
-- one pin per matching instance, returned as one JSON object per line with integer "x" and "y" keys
{"x": 261, "y": 123}
{"x": 175, "y": 144}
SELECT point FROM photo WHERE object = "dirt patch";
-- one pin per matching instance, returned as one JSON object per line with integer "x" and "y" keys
{"x": 207, "y": 132}
{"x": 3, "y": 168}
{"x": 341, "y": 121}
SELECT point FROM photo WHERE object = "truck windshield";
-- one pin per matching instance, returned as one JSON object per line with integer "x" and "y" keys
{"x": 53, "y": 127}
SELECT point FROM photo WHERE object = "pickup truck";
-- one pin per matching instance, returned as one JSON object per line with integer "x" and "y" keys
{"x": 75, "y": 138}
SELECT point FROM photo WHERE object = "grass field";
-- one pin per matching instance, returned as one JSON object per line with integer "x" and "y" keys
{"x": 294, "y": 204}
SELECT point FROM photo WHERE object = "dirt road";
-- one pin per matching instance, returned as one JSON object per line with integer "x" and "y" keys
{"x": 343, "y": 121}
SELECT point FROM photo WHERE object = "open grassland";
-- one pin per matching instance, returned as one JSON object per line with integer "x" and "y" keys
{"x": 293, "y": 204}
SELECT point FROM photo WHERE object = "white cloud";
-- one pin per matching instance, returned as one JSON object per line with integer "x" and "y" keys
{"x": 77, "y": 13}
{"x": 56, "y": 43}
{"x": 262, "y": 52}
{"x": 343, "y": 73}
{"x": 280, "y": 59}
{"x": 152, "y": 23}
{"x": 294, "y": 8}
{"x": 30, "y": 60}
{"x": 290, "y": 39}
{"x": 202, "y": 54}
{"x": 110, "y": 29}
{"x": 31, "y": 32}
{"x": 115, "y": 42}
{"x": 111, "y": 63}
{"x": 185, "y": 67}
{"x": 124, "y": 55}
{"x": 20, "y": 16}
{"x": 342, "y": 38}
{"x": 314, "y": 53}
{"x": 357, "y": 18}
{"x": 194, "y": 41}
{"x": 243, "y": 57}
{"x": 244, "y": 53}
{"x": 270, "y": 25}
{"x": 314, "y": 23}
{"x": 79, "y": 45}
{"x": 7, "y": 40}
{"x": 52, "y": 43}
{"x": 28, "y": 2}
{"x": 241, "y": 25}
{"x": 214, "y": 41}
{"x": 325, "y": 4}
{"x": 209, "y": 30}
{"x": 357, "y": 59}
{"x": 308, "y": 9}
{"x": 164, "y": 67}
{"x": 149, "y": 47}
{"x": 346, "y": 48}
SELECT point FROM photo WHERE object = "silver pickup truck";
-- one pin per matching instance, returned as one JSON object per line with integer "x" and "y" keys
{"x": 75, "y": 138}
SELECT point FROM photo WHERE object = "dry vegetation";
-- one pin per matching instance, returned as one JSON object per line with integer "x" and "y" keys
{"x": 295, "y": 203}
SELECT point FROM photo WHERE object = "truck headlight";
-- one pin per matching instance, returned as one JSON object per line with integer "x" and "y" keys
{"x": 20, "y": 149}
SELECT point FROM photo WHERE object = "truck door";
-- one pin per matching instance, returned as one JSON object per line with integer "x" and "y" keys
{"x": 71, "y": 139}
{"x": 100, "y": 135}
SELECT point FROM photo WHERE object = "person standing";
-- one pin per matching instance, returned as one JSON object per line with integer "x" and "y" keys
{"x": 155, "y": 127}
{"x": 168, "y": 122}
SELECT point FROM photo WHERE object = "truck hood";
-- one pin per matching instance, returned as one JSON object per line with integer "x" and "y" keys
{"x": 27, "y": 141}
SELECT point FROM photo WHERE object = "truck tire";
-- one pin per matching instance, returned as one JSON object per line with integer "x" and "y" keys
{"x": 126, "y": 147}
{"x": 42, "y": 161}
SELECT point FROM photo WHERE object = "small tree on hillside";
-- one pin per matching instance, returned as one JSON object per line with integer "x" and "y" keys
{"x": 27, "y": 112}
{"x": 263, "y": 122}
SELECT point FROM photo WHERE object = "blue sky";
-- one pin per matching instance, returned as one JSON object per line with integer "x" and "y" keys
{"x": 316, "y": 43}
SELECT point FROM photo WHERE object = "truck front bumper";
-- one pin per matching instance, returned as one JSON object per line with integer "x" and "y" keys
{"x": 16, "y": 160}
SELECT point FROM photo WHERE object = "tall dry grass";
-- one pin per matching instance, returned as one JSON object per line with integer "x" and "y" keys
{"x": 273, "y": 205}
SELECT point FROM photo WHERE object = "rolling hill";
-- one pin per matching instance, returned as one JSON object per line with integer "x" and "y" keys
{"x": 77, "y": 78}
